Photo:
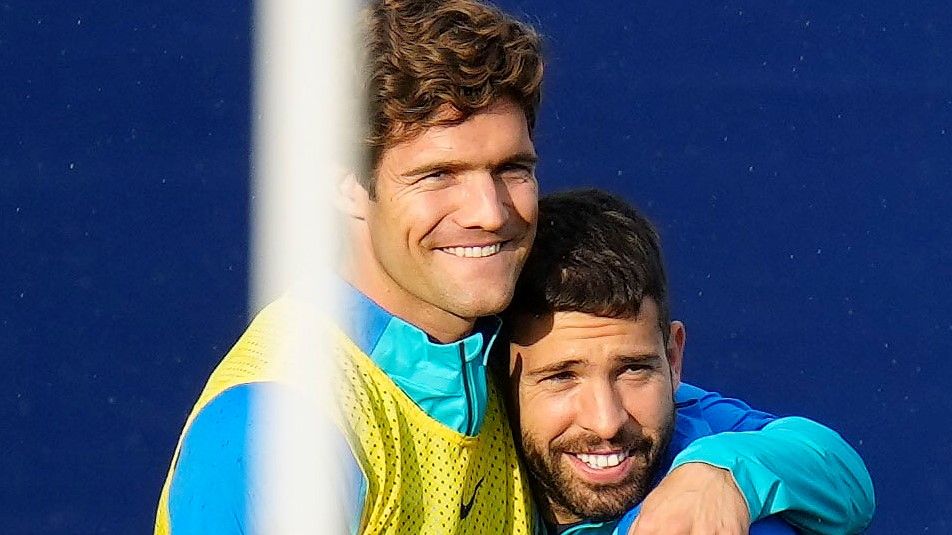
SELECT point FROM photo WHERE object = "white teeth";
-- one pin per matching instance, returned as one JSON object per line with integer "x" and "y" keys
{"x": 473, "y": 252}
{"x": 602, "y": 461}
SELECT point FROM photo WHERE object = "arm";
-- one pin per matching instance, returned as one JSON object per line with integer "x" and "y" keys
{"x": 795, "y": 467}
{"x": 772, "y": 525}
{"x": 735, "y": 465}
{"x": 213, "y": 488}
{"x": 355, "y": 492}
{"x": 792, "y": 466}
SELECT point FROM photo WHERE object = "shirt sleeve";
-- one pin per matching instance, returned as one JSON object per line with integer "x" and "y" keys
{"x": 772, "y": 525}
{"x": 213, "y": 488}
{"x": 791, "y": 466}
{"x": 355, "y": 490}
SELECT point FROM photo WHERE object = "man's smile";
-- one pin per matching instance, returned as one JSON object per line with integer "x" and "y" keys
{"x": 473, "y": 251}
{"x": 602, "y": 460}
{"x": 601, "y": 468}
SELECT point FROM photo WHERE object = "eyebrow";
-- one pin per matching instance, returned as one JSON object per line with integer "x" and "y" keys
{"x": 564, "y": 365}
{"x": 638, "y": 358}
{"x": 555, "y": 367}
{"x": 524, "y": 158}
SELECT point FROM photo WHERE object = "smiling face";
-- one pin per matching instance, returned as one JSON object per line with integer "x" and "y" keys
{"x": 595, "y": 404}
{"x": 451, "y": 222}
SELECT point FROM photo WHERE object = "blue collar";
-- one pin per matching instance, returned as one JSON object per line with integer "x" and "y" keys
{"x": 447, "y": 381}
{"x": 584, "y": 527}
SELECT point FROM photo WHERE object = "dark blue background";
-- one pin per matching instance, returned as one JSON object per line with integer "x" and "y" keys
{"x": 796, "y": 156}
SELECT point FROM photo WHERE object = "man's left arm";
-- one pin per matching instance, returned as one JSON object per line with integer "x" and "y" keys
{"x": 794, "y": 467}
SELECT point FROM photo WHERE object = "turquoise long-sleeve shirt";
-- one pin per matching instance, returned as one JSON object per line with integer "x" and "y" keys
{"x": 793, "y": 467}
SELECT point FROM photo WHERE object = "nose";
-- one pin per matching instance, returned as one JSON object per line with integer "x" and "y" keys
{"x": 601, "y": 411}
{"x": 484, "y": 204}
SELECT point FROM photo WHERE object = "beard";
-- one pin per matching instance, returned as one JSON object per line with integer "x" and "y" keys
{"x": 557, "y": 483}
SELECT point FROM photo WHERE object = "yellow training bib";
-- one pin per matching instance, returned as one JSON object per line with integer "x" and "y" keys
{"x": 423, "y": 477}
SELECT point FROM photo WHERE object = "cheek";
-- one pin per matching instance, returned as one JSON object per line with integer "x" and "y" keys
{"x": 525, "y": 201}
{"x": 411, "y": 217}
{"x": 649, "y": 405}
{"x": 546, "y": 416}
{"x": 424, "y": 214}
{"x": 385, "y": 230}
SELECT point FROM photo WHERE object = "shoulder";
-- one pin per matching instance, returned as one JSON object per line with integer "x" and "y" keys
{"x": 211, "y": 483}
{"x": 719, "y": 412}
{"x": 689, "y": 394}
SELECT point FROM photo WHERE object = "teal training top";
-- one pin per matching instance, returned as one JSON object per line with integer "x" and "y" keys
{"x": 789, "y": 466}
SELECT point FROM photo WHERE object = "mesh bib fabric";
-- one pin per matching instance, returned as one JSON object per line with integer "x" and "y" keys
{"x": 423, "y": 477}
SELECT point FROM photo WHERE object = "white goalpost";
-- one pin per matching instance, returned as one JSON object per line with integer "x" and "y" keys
{"x": 303, "y": 124}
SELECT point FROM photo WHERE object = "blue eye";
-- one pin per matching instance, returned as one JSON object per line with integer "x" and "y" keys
{"x": 436, "y": 175}
{"x": 561, "y": 377}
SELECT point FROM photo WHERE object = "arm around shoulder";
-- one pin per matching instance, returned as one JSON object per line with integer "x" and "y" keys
{"x": 794, "y": 467}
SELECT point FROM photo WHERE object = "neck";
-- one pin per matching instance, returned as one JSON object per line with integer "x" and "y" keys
{"x": 551, "y": 511}
{"x": 442, "y": 326}
{"x": 557, "y": 515}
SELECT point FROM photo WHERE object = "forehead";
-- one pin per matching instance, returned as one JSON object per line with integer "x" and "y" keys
{"x": 492, "y": 133}
{"x": 580, "y": 335}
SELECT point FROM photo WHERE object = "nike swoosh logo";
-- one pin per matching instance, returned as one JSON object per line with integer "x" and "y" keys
{"x": 465, "y": 508}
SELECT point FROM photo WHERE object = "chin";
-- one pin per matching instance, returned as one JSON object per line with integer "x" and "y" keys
{"x": 484, "y": 305}
{"x": 478, "y": 310}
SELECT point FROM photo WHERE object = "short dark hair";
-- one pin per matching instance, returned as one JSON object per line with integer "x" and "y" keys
{"x": 593, "y": 253}
{"x": 423, "y": 56}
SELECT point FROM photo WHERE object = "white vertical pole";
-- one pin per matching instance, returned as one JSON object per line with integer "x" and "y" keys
{"x": 302, "y": 125}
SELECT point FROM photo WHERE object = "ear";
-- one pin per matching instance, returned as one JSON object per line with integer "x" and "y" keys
{"x": 675, "y": 352}
{"x": 352, "y": 197}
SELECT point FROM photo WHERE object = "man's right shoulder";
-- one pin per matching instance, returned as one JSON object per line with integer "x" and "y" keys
{"x": 211, "y": 487}
{"x": 256, "y": 355}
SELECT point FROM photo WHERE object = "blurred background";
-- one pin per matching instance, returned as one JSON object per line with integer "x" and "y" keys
{"x": 796, "y": 157}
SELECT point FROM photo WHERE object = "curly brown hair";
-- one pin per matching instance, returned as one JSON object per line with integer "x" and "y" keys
{"x": 425, "y": 57}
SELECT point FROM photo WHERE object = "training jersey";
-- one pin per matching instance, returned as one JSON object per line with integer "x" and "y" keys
{"x": 442, "y": 391}
{"x": 421, "y": 474}
{"x": 209, "y": 487}
{"x": 441, "y": 461}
